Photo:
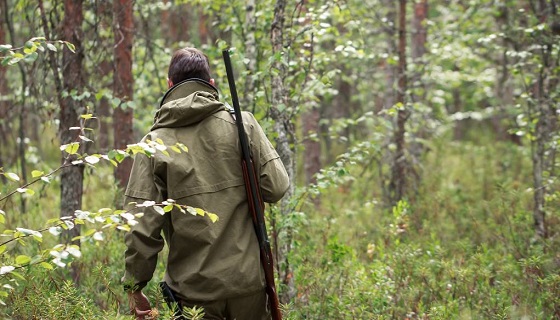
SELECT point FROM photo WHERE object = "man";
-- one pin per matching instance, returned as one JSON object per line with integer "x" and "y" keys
{"x": 211, "y": 265}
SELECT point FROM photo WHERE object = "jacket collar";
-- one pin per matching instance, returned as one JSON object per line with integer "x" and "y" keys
{"x": 186, "y": 88}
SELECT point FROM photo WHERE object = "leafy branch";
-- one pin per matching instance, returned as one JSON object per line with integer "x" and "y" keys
{"x": 29, "y": 51}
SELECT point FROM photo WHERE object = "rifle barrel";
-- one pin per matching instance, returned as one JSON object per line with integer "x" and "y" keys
{"x": 254, "y": 197}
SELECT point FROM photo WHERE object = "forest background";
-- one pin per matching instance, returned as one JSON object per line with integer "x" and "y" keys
{"x": 421, "y": 138}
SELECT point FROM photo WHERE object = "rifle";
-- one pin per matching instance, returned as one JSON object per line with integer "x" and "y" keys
{"x": 256, "y": 205}
{"x": 171, "y": 301}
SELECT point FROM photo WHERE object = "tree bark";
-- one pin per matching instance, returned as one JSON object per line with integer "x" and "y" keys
{"x": 312, "y": 145}
{"x": 284, "y": 129}
{"x": 22, "y": 114}
{"x": 390, "y": 70}
{"x": 71, "y": 179}
{"x": 398, "y": 178}
{"x": 250, "y": 55}
{"x": 123, "y": 27}
{"x": 419, "y": 37}
{"x": 105, "y": 68}
{"x": 4, "y": 93}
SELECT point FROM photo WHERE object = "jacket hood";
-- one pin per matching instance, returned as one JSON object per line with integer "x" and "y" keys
{"x": 187, "y": 103}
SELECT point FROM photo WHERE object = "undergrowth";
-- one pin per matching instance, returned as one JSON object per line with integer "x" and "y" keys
{"x": 460, "y": 247}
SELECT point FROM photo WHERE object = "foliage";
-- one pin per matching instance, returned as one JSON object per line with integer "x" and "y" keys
{"x": 460, "y": 245}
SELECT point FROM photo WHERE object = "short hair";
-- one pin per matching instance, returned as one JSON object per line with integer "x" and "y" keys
{"x": 188, "y": 63}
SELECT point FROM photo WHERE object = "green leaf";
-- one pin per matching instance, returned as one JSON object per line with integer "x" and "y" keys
{"x": 19, "y": 276}
{"x": 116, "y": 102}
{"x": 191, "y": 210}
{"x": 6, "y": 61}
{"x": 159, "y": 210}
{"x": 200, "y": 212}
{"x": 23, "y": 259}
{"x": 183, "y": 147}
{"x": 72, "y": 148}
{"x": 2, "y": 219}
{"x": 91, "y": 159}
{"x": 12, "y": 176}
{"x": 51, "y": 47}
{"x": 3, "y": 248}
{"x": 5, "y": 47}
{"x": 36, "y": 173}
{"x": 168, "y": 208}
{"x": 70, "y": 46}
{"x": 213, "y": 217}
{"x": 86, "y": 116}
{"x": 46, "y": 265}
{"x": 31, "y": 57}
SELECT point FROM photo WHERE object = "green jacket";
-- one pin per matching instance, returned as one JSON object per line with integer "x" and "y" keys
{"x": 206, "y": 261}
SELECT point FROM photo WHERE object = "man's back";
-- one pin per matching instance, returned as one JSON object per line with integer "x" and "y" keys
{"x": 207, "y": 261}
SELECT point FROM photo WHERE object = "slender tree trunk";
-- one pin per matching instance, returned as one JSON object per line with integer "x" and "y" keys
{"x": 419, "y": 36}
{"x": 166, "y": 24}
{"x": 105, "y": 68}
{"x": 104, "y": 111}
{"x": 4, "y": 91}
{"x": 312, "y": 129}
{"x": 312, "y": 145}
{"x": 21, "y": 149}
{"x": 71, "y": 179}
{"x": 123, "y": 27}
{"x": 284, "y": 129}
{"x": 537, "y": 150}
{"x": 457, "y": 106}
{"x": 418, "y": 51}
{"x": 203, "y": 32}
{"x": 250, "y": 54}
{"x": 398, "y": 178}
{"x": 390, "y": 70}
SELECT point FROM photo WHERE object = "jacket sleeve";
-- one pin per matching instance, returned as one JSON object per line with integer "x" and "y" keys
{"x": 144, "y": 240}
{"x": 274, "y": 180}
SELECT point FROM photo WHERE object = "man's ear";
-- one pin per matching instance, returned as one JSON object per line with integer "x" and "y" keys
{"x": 212, "y": 82}
{"x": 169, "y": 83}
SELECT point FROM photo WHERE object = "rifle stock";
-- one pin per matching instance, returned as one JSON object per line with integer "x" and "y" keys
{"x": 256, "y": 205}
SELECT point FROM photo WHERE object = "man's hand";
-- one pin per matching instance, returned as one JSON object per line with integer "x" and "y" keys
{"x": 140, "y": 305}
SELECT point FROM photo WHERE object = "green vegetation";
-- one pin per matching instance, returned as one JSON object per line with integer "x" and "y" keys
{"x": 431, "y": 198}
{"x": 461, "y": 249}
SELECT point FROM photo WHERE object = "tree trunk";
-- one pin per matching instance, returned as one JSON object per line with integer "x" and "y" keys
{"x": 418, "y": 50}
{"x": 390, "y": 70}
{"x": 105, "y": 68}
{"x": 203, "y": 32}
{"x": 398, "y": 178}
{"x": 284, "y": 129}
{"x": 71, "y": 179}
{"x": 104, "y": 111}
{"x": 312, "y": 145}
{"x": 250, "y": 54}
{"x": 123, "y": 27}
{"x": 537, "y": 150}
{"x": 21, "y": 148}
{"x": 419, "y": 37}
{"x": 4, "y": 93}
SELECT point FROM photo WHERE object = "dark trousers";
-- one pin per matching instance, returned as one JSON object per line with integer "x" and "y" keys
{"x": 251, "y": 307}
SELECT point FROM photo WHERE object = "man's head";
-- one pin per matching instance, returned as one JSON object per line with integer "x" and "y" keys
{"x": 188, "y": 63}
